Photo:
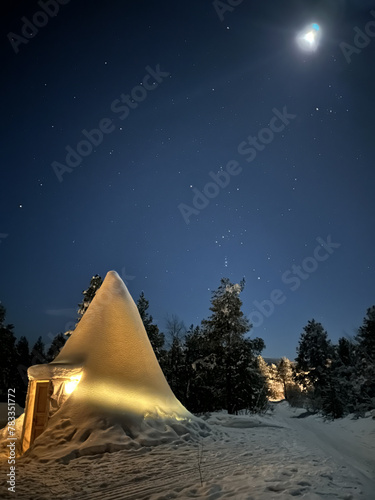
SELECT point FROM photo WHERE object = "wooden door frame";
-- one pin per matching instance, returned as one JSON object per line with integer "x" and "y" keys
{"x": 39, "y": 384}
{"x": 29, "y": 422}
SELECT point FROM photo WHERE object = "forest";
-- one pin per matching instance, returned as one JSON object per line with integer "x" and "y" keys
{"x": 218, "y": 365}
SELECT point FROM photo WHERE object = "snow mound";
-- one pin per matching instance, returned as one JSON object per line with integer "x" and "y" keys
{"x": 120, "y": 369}
{"x": 122, "y": 400}
{"x": 69, "y": 435}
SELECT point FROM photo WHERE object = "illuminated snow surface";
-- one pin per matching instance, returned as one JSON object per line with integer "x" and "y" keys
{"x": 276, "y": 456}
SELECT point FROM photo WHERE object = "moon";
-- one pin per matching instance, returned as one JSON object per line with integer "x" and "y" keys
{"x": 308, "y": 39}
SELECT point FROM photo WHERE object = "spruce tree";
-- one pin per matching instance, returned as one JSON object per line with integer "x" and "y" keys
{"x": 174, "y": 368}
{"x": 38, "y": 355}
{"x": 333, "y": 398}
{"x": 199, "y": 373}
{"x": 231, "y": 354}
{"x": 57, "y": 344}
{"x": 95, "y": 283}
{"x": 314, "y": 358}
{"x": 22, "y": 364}
{"x": 251, "y": 384}
{"x": 366, "y": 335}
{"x": 8, "y": 356}
{"x": 365, "y": 365}
{"x": 285, "y": 374}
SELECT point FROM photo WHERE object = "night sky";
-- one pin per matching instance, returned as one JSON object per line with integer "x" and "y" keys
{"x": 201, "y": 88}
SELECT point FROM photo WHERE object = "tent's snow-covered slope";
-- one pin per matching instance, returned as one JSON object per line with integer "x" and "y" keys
{"x": 119, "y": 365}
{"x": 123, "y": 400}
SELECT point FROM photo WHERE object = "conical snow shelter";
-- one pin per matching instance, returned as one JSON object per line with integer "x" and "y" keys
{"x": 119, "y": 365}
{"x": 118, "y": 379}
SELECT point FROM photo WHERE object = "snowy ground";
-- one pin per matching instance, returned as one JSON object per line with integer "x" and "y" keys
{"x": 278, "y": 456}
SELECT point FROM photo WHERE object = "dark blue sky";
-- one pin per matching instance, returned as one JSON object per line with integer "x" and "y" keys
{"x": 214, "y": 84}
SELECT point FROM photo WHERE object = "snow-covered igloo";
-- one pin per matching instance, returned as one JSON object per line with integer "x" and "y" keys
{"x": 105, "y": 378}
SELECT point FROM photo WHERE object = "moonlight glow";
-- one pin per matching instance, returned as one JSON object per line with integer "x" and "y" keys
{"x": 308, "y": 39}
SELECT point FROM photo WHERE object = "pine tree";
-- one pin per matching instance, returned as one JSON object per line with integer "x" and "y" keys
{"x": 155, "y": 336}
{"x": 366, "y": 335}
{"x": 251, "y": 385}
{"x": 95, "y": 283}
{"x": 8, "y": 356}
{"x": 333, "y": 399}
{"x": 314, "y": 358}
{"x": 365, "y": 350}
{"x": 57, "y": 344}
{"x": 38, "y": 355}
{"x": 232, "y": 356}
{"x": 174, "y": 367}
{"x": 263, "y": 367}
{"x": 268, "y": 373}
{"x": 285, "y": 374}
{"x": 23, "y": 362}
{"x": 199, "y": 373}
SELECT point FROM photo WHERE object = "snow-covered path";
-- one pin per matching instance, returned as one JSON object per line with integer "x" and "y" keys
{"x": 350, "y": 445}
{"x": 276, "y": 456}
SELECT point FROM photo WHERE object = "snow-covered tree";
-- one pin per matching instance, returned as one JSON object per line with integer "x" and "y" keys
{"x": 95, "y": 283}
{"x": 366, "y": 335}
{"x": 351, "y": 384}
{"x": 314, "y": 356}
{"x": 333, "y": 399}
{"x": 201, "y": 393}
{"x": 8, "y": 355}
{"x": 366, "y": 354}
{"x": 251, "y": 386}
{"x": 263, "y": 366}
{"x": 340, "y": 394}
{"x": 285, "y": 375}
{"x": 266, "y": 371}
{"x": 235, "y": 367}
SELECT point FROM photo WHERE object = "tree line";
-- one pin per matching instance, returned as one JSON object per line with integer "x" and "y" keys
{"x": 16, "y": 356}
{"x": 209, "y": 367}
{"x": 338, "y": 379}
{"x": 216, "y": 365}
